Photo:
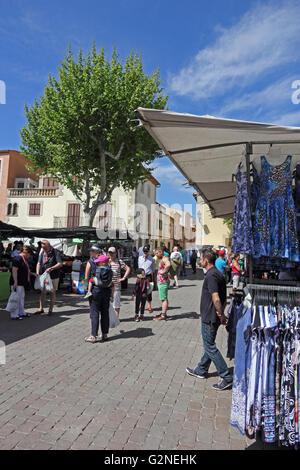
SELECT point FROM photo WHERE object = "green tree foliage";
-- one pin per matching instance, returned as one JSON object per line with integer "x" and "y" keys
{"x": 81, "y": 131}
{"x": 229, "y": 222}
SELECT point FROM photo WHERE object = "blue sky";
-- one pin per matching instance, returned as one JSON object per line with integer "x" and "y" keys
{"x": 232, "y": 59}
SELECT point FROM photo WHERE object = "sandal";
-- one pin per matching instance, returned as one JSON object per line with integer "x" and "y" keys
{"x": 91, "y": 339}
{"x": 39, "y": 312}
{"x": 102, "y": 338}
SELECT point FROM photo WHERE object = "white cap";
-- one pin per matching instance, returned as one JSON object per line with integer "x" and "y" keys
{"x": 112, "y": 250}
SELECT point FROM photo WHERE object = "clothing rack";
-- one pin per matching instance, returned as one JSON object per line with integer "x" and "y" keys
{"x": 249, "y": 152}
{"x": 274, "y": 288}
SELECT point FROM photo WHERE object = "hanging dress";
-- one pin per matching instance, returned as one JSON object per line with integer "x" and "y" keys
{"x": 242, "y": 237}
{"x": 275, "y": 227}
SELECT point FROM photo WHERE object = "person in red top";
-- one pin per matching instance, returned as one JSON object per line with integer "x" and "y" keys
{"x": 236, "y": 272}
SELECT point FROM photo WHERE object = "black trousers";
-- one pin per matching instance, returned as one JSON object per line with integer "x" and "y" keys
{"x": 193, "y": 264}
{"x": 150, "y": 278}
{"x": 99, "y": 305}
{"x": 140, "y": 301}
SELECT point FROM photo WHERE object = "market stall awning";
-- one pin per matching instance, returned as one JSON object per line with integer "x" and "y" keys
{"x": 83, "y": 233}
{"x": 207, "y": 150}
{"x": 9, "y": 231}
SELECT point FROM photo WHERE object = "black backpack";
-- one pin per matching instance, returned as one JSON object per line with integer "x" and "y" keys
{"x": 104, "y": 277}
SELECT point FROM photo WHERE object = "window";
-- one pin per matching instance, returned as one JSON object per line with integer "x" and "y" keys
{"x": 15, "y": 209}
{"x": 49, "y": 183}
{"x": 34, "y": 209}
{"x": 9, "y": 209}
{"x": 73, "y": 220}
{"x": 21, "y": 185}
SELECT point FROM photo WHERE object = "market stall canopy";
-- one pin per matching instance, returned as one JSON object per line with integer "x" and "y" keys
{"x": 84, "y": 233}
{"x": 207, "y": 150}
{"x": 8, "y": 231}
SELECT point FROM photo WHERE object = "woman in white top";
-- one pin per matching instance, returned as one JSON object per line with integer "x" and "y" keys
{"x": 176, "y": 265}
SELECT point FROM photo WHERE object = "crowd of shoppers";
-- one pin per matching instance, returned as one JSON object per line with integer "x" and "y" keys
{"x": 105, "y": 275}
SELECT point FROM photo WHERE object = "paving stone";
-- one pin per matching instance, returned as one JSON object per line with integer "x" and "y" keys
{"x": 57, "y": 392}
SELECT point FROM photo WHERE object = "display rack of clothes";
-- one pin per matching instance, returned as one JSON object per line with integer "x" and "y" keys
{"x": 266, "y": 386}
{"x": 234, "y": 313}
{"x": 265, "y": 218}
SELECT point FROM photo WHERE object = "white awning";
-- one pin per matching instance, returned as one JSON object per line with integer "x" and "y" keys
{"x": 207, "y": 150}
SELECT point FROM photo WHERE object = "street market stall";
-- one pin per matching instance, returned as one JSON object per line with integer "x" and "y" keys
{"x": 7, "y": 231}
{"x": 70, "y": 243}
{"x": 251, "y": 171}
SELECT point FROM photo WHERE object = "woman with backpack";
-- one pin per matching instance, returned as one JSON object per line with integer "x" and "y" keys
{"x": 100, "y": 290}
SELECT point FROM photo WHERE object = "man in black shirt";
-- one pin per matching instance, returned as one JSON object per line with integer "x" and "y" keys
{"x": 213, "y": 301}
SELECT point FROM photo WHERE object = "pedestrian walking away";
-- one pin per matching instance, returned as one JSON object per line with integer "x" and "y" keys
{"x": 50, "y": 262}
{"x": 193, "y": 259}
{"x": 184, "y": 260}
{"x": 176, "y": 264}
{"x": 135, "y": 259}
{"x": 147, "y": 263}
{"x": 100, "y": 290}
{"x": 117, "y": 266}
{"x": 163, "y": 282}
{"x": 141, "y": 289}
{"x": 213, "y": 301}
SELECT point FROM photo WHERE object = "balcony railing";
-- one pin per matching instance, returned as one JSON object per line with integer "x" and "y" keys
{"x": 33, "y": 193}
{"x": 110, "y": 223}
{"x": 68, "y": 222}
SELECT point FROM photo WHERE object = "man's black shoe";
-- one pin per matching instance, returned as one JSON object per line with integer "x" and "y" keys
{"x": 193, "y": 374}
{"x": 222, "y": 385}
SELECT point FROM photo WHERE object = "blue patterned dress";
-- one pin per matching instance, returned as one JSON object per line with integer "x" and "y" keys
{"x": 242, "y": 237}
{"x": 275, "y": 227}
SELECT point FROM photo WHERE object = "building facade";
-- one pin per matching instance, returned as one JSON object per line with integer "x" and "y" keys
{"x": 210, "y": 231}
{"x": 13, "y": 174}
{"x": 44, "y": 203}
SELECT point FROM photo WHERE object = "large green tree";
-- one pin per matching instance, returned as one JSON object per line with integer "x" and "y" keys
{"x": 81, "y": 131}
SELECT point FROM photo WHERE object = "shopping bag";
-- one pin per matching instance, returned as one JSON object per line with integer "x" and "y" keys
{"x": 37, "y": 283}
{"x": 13, "y": 302}
{"x": 82, "y": 287}
{"x": 113, "y": 319}
{"x": 46, "y": 282}
{"x": 151, "y": 287}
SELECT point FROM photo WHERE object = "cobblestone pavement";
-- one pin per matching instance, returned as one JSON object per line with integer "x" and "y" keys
{"x": 58, "y": 392}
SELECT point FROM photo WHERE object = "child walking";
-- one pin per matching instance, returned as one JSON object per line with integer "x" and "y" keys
{"x": 141, "y": 290}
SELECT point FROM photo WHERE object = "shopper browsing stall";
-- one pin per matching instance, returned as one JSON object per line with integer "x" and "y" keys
{"x": 20, "y": 281}
{"x": 117, "y": 267}
{"x": 49, "y": 262}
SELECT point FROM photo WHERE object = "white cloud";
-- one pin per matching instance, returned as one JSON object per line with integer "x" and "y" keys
{"x": 276, "y": 94}
{"x": 168, "y": 174}
{"x": 267, "y": 37}
{"x": 289, "y": 119}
